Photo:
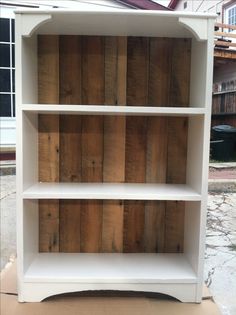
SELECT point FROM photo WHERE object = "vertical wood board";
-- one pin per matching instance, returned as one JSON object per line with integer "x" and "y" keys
{"x": 48, "y": 139}
{"x": 177, "y": 142}
{"x": 135, "y": 159}
{"x": 70, "y": 140}
{"x": 92, "y": 140}
{"x": 157, "y": 133}
{"x": 114, "y": 141}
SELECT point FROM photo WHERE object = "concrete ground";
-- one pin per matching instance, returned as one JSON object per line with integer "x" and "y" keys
{"x": 220, "y": 255}
{"x": 7, "y": 218}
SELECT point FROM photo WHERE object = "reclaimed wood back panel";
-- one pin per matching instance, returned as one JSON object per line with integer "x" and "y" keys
{"x": 70, "y": 140}
{"x": 124, "y": 71}
{"x": 48, "y": 140}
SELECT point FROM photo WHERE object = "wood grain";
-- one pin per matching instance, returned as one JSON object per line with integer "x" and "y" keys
{"x": 114, "y": 141}
{"x": 70, "y": 226}
{"x": 48, "y": 141}
{"x": 70, "y": 140}
{"x": 174, "y": 227}
{"x": 135, "y": 160}
{"x": 157, "y": 131}
{"x": 177, "y": 142}
{"x": 92, "y": 140}
{"x": 48, "y": 225}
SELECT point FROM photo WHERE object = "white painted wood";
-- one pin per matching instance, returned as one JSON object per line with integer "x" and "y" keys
{"x": 30, "y": 232}
{"x": 111, "y": 191}
{"x": 121, "y": 23}
{"x": 206, "y": 148}
{"x": 197, "y": 26}
{"x": 110, "y": 268}
{"x": 30, "y": 150}
{"x": 198, "y": 73}
{"x": 19, "y": 153}
{"x": 29, "y": 70}
{"x": 112, "y": 110}
{"x": 179, "y": 275}
{"x": 31, "y": 22}
{"x": 36, "y": 292}
{"x": 192, "y": 233}
{"x": 195, "y": 153}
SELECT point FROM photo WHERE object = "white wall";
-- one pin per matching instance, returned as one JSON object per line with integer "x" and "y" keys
{"x": 209, "y": 6}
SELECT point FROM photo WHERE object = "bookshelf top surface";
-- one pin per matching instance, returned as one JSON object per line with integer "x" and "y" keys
{"x": 115, "y": 23}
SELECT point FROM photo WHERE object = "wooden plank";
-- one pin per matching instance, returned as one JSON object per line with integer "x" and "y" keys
{"x": 48, "y": 225}
{"x": 225, "y": 54}
{"x": 225, "y": 34}
{"x": 70, "y": 140}
{"x": 154, "y": 229}
{"x": 233, "y": 27}
{"x": 157, "y": 131}
{"x": 48, "y": 145}
{"x": 114, "y": 141}
{"x": 48, "y": 141}
{"x": 174, "y": 234}
{"x": 177, "y": 141}
{"x": 155, "y": 173}
{"x": 135, "y": 160}
{"x": 70, "y": 226}
{"x": 48, "y": 69}
{"x": 121, "y": 70}
{"x": 177, "y": 150}
{"x": 92, "y": 140}
{"x": 137, "y": 71}
{"x": 225, "y": 44}
{"x": 112, "y": 226}
{"x": 133, "y": 226}
{"x": 180, "y": 73}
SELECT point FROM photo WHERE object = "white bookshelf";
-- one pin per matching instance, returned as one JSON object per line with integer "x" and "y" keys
{"x": 41, "y": 275}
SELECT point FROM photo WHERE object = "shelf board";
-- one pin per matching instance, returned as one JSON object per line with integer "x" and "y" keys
{"x": 111, "y": 191}
{"x": 111, "y": 110}
{"x": 110, "y": 268}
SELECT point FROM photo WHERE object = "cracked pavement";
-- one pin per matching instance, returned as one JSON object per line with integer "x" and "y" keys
{"x": 220, "y": 254}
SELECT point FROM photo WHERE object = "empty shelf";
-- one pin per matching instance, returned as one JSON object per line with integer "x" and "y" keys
{"x": 110, "y": 268}
{"x": 112, "y": 110}
{"x": 111, "y": 191}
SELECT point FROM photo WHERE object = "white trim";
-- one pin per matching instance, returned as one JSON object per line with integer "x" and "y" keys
{"x": 7, "y": 12}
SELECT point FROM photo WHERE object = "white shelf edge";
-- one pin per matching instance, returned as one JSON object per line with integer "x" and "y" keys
{"x": 111, "y": 191}
{"x": 170, "y": 14}
{"x": 81, "y": 268}
{"x": 111, "y": 109}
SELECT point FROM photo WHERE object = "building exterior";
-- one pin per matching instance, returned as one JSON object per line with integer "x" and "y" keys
{"x": 224, "y": 80}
